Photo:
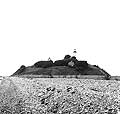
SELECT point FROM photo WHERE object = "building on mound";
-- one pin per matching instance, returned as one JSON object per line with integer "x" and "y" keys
{"x": 66, "y": 66}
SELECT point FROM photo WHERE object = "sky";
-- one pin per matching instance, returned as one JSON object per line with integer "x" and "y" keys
{"x": 34, "y": 30}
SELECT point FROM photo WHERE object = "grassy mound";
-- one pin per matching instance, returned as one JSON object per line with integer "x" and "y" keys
{"x": 67, "y": 66}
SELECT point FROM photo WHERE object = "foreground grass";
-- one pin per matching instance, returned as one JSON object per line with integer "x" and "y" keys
{"x": 59, "y": 96}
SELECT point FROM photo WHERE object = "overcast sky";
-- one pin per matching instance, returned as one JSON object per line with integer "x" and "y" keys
{"x": 33, "y": 30}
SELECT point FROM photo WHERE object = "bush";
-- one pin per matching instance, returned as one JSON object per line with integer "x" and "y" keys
{"x": 43, "y": 64}
{"x": 67, "y": 57}
{"x": 73, "y": 57}
{"x": 60, "y": 63}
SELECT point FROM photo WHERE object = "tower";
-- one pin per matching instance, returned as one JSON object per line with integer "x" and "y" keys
{"x": 74, "y": 52}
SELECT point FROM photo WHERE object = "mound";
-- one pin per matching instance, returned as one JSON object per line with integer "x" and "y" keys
{"x": 67, "y": 66}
